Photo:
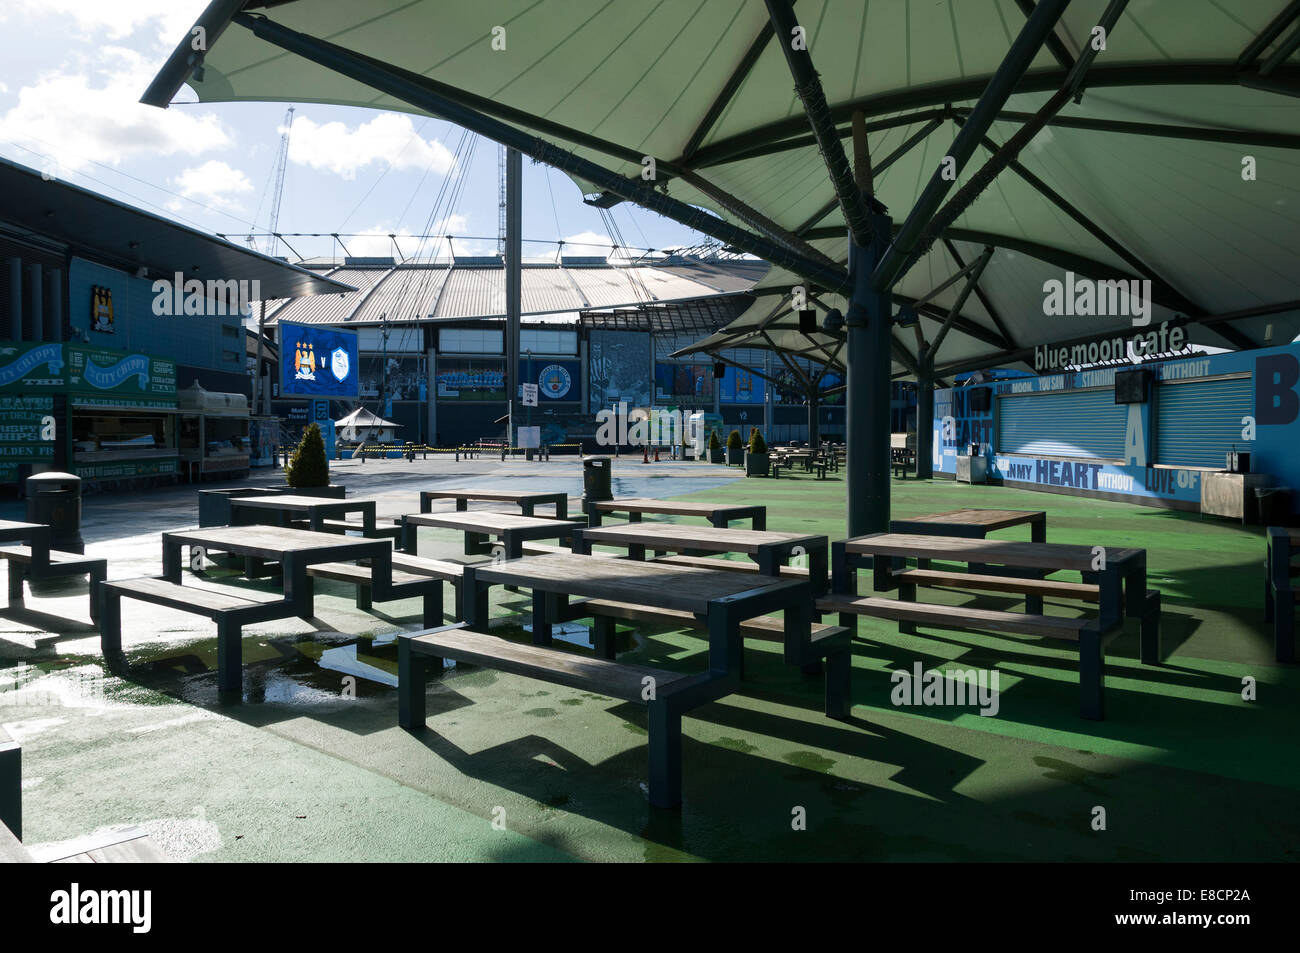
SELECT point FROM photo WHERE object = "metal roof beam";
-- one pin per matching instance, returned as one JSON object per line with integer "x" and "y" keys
{"x": 876, "y": 170}
{"x": 1007, "y": 153}
{"x": 1281, "y": 54}
{"x": 728, "y": 91}
{"x": 400, "y": 85}
{"x": 1054, "y": 44}
{"x": 977, "y": 270}
{"x": 1188, "y": 73}
{"x": 808, "y": 85}
{"x": 1007, "y": 340}
{"x": 1018, "y": 59}
{"x": 1243, "y": 137}
{"x": 1270, "y": 33}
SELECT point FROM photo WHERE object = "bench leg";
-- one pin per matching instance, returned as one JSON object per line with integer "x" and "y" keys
{"x": 15, "y": 584}
{"x": 542, "y": 615}
{"x": 97, "y": 578}
{"x": 1151, "y": 630}
{"x": 839, "y": 669}
{"x": 907, "y": 593}
{"x": 364, "y": 600}
{"x": 603, "y": 634}
{"x": 1034, "y": 605}
{"x": 230, "y": 656}
{"x": 412, "y": 672}
{"x": 1284, "y": 625}
{"x": 110, "y": 622}
{"x": 665, "y": 755}
{"x": 1092, "y": 676}
{"x": 433, "y": 606}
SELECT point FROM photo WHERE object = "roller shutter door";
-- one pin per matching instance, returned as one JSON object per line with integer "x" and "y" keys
{"x": 1084, "y": 423}
{"x": 1197, "y": 422}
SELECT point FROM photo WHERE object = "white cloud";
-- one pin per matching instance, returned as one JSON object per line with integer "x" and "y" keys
{"x": 168, "y": 20}
{"x": 587, "y": 243}
{"x": 389, "y": 137}
{"x": 375, "y": 243}
{"x": 214, "y": 183}
{"x": 75, "y": 117}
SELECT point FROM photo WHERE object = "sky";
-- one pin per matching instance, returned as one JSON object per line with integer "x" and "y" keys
{"x": 71, "y": 75}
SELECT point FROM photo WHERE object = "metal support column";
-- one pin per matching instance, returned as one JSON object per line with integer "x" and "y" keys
{"x": 925, "y": 418}
{"x": 514, "y": 249}
{"x": 813, "y": 430}
{"x": 869, "y": 360}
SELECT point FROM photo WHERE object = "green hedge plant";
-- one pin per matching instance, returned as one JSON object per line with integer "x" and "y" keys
{"x": 757, "y": 444}
{"x": 308, "y": 466}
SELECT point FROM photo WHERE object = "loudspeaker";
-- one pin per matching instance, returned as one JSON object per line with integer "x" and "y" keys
{"x": 807, "y": 321}
{"x": 981, "y": 400}
{"x": 719, "y": 370}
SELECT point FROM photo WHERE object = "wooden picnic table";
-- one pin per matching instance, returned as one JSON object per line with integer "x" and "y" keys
{"x": 527, "y": 500}
{"x": 513, "y": 530}
{"x": 36, "y": 535}
{"x": 1280, "y": 590}
{"x": 718, "y": 514}
{"x": 293, "y": 549}
{"x": 1122, "y": 565}
{"x": 769, "y": 550}
{"x": 724, "y": 600}
{"x": 975, "y": 523}
{"x": 316, "y": 510}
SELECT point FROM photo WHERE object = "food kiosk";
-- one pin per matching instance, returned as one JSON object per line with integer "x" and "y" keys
{"x": 213, "y": 433}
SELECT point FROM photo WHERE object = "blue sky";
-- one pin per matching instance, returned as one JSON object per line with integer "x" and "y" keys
{"x": 73, "y": 72}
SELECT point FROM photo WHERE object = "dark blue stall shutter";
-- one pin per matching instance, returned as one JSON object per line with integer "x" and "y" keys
{"x": 1197, "y": 422}
{"x": 1081, "y": 423}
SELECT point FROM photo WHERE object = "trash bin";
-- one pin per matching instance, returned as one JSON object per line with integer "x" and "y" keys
{"x": 54, "y": 498}
{"x": 1274, "y": 505}
{"x": 595, "y": 481}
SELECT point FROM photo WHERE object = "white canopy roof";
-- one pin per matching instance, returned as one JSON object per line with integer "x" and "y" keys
{"x": 1142, "y": 178}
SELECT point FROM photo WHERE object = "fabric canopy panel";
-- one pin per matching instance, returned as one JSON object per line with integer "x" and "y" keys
{"x": 1178, "y": 165}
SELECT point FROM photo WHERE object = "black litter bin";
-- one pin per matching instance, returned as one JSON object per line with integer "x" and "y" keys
{"x": 1274, "y": 505}
{"x": 595, "y": 481}
{"x": 55, "y": 499}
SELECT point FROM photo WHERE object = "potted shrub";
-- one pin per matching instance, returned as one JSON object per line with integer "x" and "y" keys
{"x": 735, "y": 449}
{"x": 715, "y": 448}
{"x": 756, "y": 459}
{"x": 309, "y": 471}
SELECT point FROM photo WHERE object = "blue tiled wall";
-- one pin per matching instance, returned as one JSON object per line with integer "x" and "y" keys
{"x": 196, "y": 340}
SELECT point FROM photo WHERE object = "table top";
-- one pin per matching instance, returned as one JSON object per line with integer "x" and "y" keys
{"x": 670, "y": 535}
{"x": 507, "y": 496}
{"x": 670, "y": 508}
{"x": 289, "y": 501}
{"x": 989, "y": 519}
{"x": 268, "y": 541}
{"x": 488, "y": 521}
{"x": 14, "y": 529}
{"x": 996, "y": 551}
{"x": 657, "y": 585}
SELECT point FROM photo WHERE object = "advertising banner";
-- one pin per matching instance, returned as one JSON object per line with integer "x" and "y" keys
{"x": 28, "y": 367}
{"x": 555, "y": 380}
{"x": 318, "y": 362}
{"x": 741, "y": 387}
{"x": 101, "y": 376}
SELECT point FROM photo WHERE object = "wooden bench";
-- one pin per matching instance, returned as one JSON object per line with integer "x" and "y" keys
{"x": 443, "y": 569}
{"x": 1084, "y": 632}
{"x": 1036, "y": 589}
{"x": 417, "y": 652}
{"x": 347, "y": 526}
{"x": 730, "y": 565}
{"x": 829, "y": 642}
{"x": 403, "y": 585}
{"x": 21, "y": 566}
{"x": 230, "y": 610}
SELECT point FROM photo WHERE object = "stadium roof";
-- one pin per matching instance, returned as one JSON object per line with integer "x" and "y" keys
{"x": 102, "y": 229}
{"x": 1143, "y": 176}
{"x": 468, "y": 289}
